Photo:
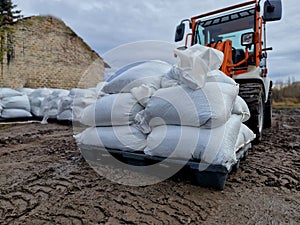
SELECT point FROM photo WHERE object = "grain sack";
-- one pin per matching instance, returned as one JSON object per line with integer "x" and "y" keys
{"x": 112, "y": 110}
{"x": 208, "y": 107}
{"x": 148, "y": 73}
{"x": 8, "y": 92}
{"x": 49, "y": 106}
{"x": 124, "y": 138}
{"x": 36, "y": 98}
{"x": 64, "y": 111}
{"x": 245, "y": 136}
{"x": 82, "y": 98}
{"x": 195, "y": 63}
{"x": 241, "y": 108}
{"x": 16, "y": 102}
{"x": 15, "y": 113}
{"x": 215, "y": 146}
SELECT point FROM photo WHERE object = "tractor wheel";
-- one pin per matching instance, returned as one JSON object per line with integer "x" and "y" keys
{"x": 253, "y": 94}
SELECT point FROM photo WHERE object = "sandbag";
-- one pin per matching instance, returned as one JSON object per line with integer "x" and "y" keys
{"x": 81, "y": 99}
{"x": 16, "y": 102}
{"x": 112, "y": 110}
{"x": 214, "y": 146}
{"x": 173, "y": 78}
{"x": 124, "y": 138}
{"x": 142, "y": 94}
{"x": 65, "y": 115}
{"x": 49, "y": 106}
{"x": 36, "y": 98}
{"x": 15, "y": 113}
{"x": 26, "y": 91}
{"x": 194, "y": 64}
{"x": 219, "y": 76}
{"x": 208, "y": 107}
{"x": 148, "y": 73}
{"x": 8, "y": 92}
{"x": 83, "y": 93}
{"x": 64, "y": 111}
{"x": 241, "y": 108}
{"x": 245, "y": 137}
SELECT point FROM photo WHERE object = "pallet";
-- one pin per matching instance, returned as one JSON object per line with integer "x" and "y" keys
{"x": 214, "y": 176}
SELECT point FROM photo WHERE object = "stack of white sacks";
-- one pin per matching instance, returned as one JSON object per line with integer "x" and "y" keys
{"x": 37, "y": 98}
{"x": 50, "y": 104}
{"x": 70, "y": 107}
{"x": 187, "y": 111}
{"x": 14, "y": 104}
{"x": 46, "y": 103}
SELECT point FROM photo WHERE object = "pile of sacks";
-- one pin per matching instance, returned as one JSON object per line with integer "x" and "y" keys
{"x": 188, "y": 111}
{"x": 45, "y": 103}
{"x": 60, "y": 104}
{"x": 14, "y": 104}
{"x": 70, "y": 107}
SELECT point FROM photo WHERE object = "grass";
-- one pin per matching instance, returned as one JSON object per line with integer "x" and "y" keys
{"x": 286, "y": 105}
{"x": 6, "y": 126}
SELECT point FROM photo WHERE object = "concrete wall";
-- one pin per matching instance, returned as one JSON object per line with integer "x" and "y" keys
{"x": 50, "y": 54}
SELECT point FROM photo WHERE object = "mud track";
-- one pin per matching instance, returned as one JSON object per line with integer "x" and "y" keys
{"x": 43, "y": 180}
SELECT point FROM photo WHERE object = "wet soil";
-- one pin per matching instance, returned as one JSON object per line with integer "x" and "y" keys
{"x": 43, "y": 180}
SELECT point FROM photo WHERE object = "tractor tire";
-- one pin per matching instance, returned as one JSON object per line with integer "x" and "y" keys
{"x": 268, "y": 111}
{"x": 253, "y": 94}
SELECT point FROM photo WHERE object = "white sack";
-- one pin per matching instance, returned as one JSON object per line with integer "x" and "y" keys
{"x": 219, "y": 76}
{"x": 36, "y": 98}
{"x": 148, "y": 73}
{"x": 241, "y": 108}
{"x": 83, "y": 93}
{"x": 142, "y": 94}
{"x": 115, "y": 109}
{"x": 208, "y": 107}
{"x": 64, "y": 111}
{"x": 98, "y": 89}
{"x": 195, "y": 62}
{"x": 81, "y": 99}
{"x": 49, "y": 106}
{"x": 245, "y": 137}
{"x": 173, "y": 78}
{"x": 65, "y": 103}
{"x": 65, "y": 115}
{"x": 15, "y": 113}
{"x": 215, "y": 146}
{"x": 8, "y": 92}
{"x": 124, "y": 138}
{"x": 26, "y": 91}
{"x": 16, "y": 102}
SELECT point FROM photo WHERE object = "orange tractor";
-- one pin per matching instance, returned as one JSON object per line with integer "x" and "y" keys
{"x": 239, "y": 32}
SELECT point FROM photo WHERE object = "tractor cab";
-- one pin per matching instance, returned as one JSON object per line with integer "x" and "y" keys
{"x": 237, "y": 31}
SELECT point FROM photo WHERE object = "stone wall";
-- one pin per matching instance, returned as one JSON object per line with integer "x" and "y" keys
{"x": 50, "y": 54}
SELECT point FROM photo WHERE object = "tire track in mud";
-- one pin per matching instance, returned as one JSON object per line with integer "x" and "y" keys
{"x": 43, "y": 180}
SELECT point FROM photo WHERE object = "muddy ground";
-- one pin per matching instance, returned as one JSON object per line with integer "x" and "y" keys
{"x": 43, "y": 180}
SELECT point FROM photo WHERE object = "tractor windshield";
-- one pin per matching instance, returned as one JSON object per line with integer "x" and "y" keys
{"x": 230, "y": 26}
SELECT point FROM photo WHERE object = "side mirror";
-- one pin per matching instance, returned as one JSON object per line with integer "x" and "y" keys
{"x": 247, "y": 39}
{"x": 272, "y": 10}
{"x": 180, "y": 30}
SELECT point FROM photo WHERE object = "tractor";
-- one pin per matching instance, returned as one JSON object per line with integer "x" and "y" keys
{"x": 239, "y": 32}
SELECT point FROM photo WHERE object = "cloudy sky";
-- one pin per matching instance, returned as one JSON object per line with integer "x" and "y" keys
{"x": 105, "y": 24}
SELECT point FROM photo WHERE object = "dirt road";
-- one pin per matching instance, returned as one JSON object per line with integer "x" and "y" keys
{"x": 43, "y": 180}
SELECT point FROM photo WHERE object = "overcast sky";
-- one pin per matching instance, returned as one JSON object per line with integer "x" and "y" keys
{"x": 105, "y": 24}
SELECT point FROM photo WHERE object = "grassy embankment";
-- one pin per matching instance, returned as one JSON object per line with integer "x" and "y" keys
{"x": 287, "y": 96}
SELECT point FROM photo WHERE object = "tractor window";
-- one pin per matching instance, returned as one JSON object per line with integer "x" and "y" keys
{"x": 226, "y": 27}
